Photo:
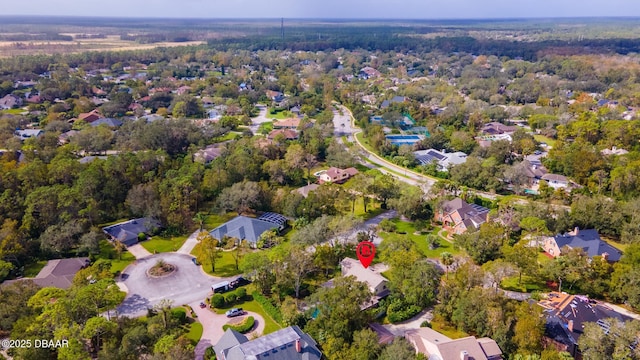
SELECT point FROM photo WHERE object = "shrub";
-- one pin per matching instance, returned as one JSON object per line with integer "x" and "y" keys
{"x": 210, "y": 354}
{"x": 142, "y": 237}
{"x": 388, "y": 225}
{"x": 179, "y": 314}
{"x": 425, "y": 323}
{"x": 268, "y": 307}
{"x": 231, "y": 298}
{"x": 399, "y": 311}
{"x": 244, "y": 327}
{"x": 217, "y": 301}
{"x": 241, "y": 294}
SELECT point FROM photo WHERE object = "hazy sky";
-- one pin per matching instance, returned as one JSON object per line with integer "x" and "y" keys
{"x": 397, "y": 9}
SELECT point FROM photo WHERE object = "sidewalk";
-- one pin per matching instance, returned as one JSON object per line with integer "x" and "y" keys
{"x": 138, "y": 251}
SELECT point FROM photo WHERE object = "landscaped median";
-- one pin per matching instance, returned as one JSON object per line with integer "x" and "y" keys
{"x": 248, "y": 303}
{"x": 242, "y": 327}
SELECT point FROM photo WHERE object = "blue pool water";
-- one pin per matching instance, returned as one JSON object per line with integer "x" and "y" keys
{"x": 404, "y": 139}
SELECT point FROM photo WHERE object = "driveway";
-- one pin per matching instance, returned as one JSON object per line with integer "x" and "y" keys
{"x": 186, "y": 285}
{"x": 212, "y": 327}
{"x": 189, "y": 244}
{"x": 411, "y": 324}
{"x": 261, "y": 118}
{"x": 138, "y": 251}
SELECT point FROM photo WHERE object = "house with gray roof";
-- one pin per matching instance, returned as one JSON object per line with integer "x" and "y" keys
{"x": 127, "y": 232}
{"x": 248, "y": 228}
{"x": 110, "y": 122}
{"x": 289, "y": 343}
{"x": 29, "y": 133}
{"x": 442, "y": 159}
{"x": 457, "y": 216}
{"x": 589, "y": 240}
{"x": 59, "y": 273}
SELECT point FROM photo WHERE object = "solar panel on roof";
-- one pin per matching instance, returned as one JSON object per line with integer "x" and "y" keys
{"x": 436, "y": 155}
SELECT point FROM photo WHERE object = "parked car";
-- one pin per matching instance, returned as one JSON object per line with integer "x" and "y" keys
{"x": 235, "y": 312}
{"x": 240, "y": 281}
{"x": 203, "y": 305}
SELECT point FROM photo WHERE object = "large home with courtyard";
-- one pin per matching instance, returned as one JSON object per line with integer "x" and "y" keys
{"x": 457, "y": 216}
{"x": 289, "y": 343}
{"x": 127, "y": 232}
{"x": 248, "y": 228}
{"x": 588, "y": 239}
{"x": 58, "y": 273}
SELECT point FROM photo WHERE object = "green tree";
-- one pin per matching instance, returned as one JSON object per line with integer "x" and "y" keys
{"x": 210, "y": 249}
{"x": 529, "y": 328}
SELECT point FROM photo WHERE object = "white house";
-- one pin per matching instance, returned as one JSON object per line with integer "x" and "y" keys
{"x": 556, "y": 181}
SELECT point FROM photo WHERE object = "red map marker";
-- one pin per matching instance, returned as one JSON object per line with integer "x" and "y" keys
{"x": 366, "y": 251}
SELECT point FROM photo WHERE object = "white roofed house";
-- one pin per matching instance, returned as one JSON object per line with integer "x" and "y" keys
{"x": 376, "y": 283}
{"x": 556, "y": 181}
{"x": 442, "y": 159}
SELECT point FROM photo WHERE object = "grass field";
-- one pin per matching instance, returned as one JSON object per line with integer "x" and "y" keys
{"x": 421, "y": 239}
{"x": 225, "y": 265}
{"x": 528, "y": 284}
{"x": 214, "y": 220}
{"x": 12, "y": 111}
{"x": 31, "y": 270}
{"x": 160, "y": 244}
{"x": 541, "y": 138}
{"x": 195, "y": 332}
{"x": 252, "y": 305}
{"x": 438, "y": 324}
{"x": 107, "y": 251}
{"x": 279, "y": 115}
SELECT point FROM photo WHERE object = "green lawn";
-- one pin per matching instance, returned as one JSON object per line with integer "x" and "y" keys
{"x": 541, "y": 138}
{"x": 213, "y": 221}
{"x": 528, "y": 284}
{"x": 107, "y": 251}
{"x": 160, "y": 244}
{"x": 282, "y": 114}
{"x": 195, "y": 332}
{"x": 252, "y": 305}
{"x": 438, "y": 324}
{"x": 543, "y": 259}
{"x": 265, "y": 127}
{"x": 31, "y": 270}
{"x": 421, "y": 239}
{"x": 231, "y": 135}
{"x": 364, "y": 142}
{"x": 373, "y": 209}
{"x": 13, "y": 111}
{"x": 225, "y": 266}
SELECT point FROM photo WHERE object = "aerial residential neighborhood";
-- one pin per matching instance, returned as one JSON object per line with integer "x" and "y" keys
{"x": 295, "y": 189}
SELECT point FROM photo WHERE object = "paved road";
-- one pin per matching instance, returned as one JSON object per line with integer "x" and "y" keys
{"x": 414, "y": 323}
{"x": 261, "y": 118}
{"x": 367, "y": 225}
{"x": 189, "y": 244}
{"x": 212, "y": 327}
{"x": 138, "y": 251}
{"x": 187, "y": 285}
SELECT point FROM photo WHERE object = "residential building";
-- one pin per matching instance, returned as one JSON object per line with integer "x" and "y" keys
{"x": 291, "y": 123}
{"x": 336, "y": 175}
{"x": 289, "y": 343}
{"x": 443, "y": 159}
{"x": 566, "y": 317}
{"x": 127, "y": 232}
{"x": 59, "y": 273}
{"x": 90, "y": 117}
{"x": 395, "y": 100}
{"x": 588, "y": 239}
{"x": 248, "y": 228}
{"x": 208, "y": 154}
{"x": 438, "y": 346}
{"x": 112, "y": 123}
{"x": 287, "y": 134}
{"x": 614, "y": 151}
{"x": 10, "y": 101}
{"x": 496, "y": 128}
{"x": 458, "y": 216}
{"x": 29, "y": 133}
{"x": 305, "y": 190}
{"x": 368, "y": 72}
{"x": 376, "y": 283}
{"x": 556, "y": 181}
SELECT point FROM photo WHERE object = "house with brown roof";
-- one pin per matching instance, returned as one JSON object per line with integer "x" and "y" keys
{"x": 90, "y": 117}
{"x": 291, "y": 123}
{"x": 60, "y": 272}
{"x": 10, "y": 101}
{"x": 336, "y": 175}
{"x": 496, "y": 128}
{"x": 377, "y": 284}
{"x": 208, "y": 154}
{"x": 287, "y": 134}
{"x": 438, "y": 346}
{"x": 65, "y": 137}
{"x": 305, "y": 190}
{"x": 457, "y": 216}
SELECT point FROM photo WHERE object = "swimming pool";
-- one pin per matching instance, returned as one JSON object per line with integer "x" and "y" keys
{"x": 404, "y": 139}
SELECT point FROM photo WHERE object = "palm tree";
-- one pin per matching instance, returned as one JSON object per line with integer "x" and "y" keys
{"x": 199, "y": 219}
{"x": 447, "y": 260}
